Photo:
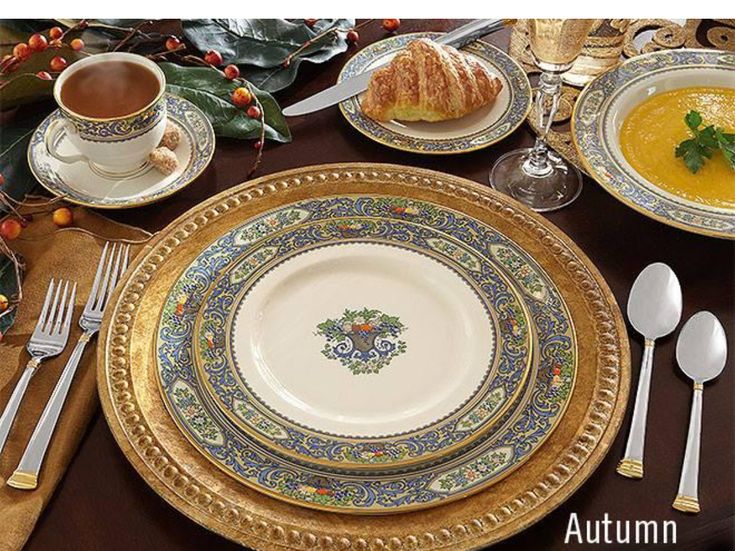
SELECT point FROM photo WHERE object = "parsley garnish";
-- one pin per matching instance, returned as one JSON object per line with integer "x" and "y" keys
{"x": 705, "y": 143}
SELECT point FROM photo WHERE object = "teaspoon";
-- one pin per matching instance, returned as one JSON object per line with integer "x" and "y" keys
{"x": 654, "y": 310}
{"x": 700, "y": 352}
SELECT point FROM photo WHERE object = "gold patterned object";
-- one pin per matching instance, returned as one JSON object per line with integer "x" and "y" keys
{"x": 632, "y": 468}
{"x": 686, "y": 504}
{"x": 641, "y": 36}
{"x": 601, "y": 51}
{"x": 166, "y": 460}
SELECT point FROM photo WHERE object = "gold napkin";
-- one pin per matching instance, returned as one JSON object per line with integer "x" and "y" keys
{"x": 69, "y": 254}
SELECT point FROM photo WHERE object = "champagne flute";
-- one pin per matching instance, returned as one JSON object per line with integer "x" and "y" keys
{"x": 536, "y": 176}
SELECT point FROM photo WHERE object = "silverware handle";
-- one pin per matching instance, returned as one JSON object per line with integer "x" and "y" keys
{"x": 687, "y": 498}
{"x": 11, "y": 408}
{"x": 25, "y": 476}
{"x": 632, "y": 463}
{"x": 471, "y": 31}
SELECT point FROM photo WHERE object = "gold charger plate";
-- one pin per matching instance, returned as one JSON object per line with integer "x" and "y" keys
{"x": 164, "y": 458}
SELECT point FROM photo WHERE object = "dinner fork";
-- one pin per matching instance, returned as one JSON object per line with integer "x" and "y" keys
{"x": 109, "y": 270}
{"x": 48, "y": 340}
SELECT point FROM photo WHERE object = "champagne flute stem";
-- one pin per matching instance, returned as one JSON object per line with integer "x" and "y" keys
{"x": 538, "y": 163}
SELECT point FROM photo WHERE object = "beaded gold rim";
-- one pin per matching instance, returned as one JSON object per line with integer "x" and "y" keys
{"x": 150, "y": 440}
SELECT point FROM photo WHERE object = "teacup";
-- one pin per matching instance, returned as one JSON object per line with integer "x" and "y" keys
{"x": 115, "y": 146}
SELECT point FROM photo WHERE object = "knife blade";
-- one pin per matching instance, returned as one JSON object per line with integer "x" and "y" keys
{"x": 348, "y": 88}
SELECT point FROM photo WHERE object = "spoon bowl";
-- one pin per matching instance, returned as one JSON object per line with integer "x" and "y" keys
{"x": 701, "y": 349}
{"x": 655, "y": 301}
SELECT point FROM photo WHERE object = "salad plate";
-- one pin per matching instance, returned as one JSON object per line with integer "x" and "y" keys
{"x": 477, "y": 130}
{"x": 318, "y": 483}
{"x": 627, "y": 125}
{"x": 362, "y": 388}
{"x": 176, "y": 467}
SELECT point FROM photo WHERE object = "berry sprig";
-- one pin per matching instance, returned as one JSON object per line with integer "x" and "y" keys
{"x": 351, "y": 35}
{"x": 242, "y": 96}
{"x": 38, "y": 43}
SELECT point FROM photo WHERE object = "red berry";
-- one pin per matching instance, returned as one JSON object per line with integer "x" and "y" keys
{"x": 213, "y": 57}
{"x": 172, "y": 43}
{"x": 253, "y": 112}
{"x": 4, "y": 303}
{"x": 352, "y": 36}
{"x": 258, "y": 145}
{"x": 58, "y": 64}
{"x": 2, "y": 179}
{"x": 55, "y": 33}
{"x": 310, "y": 22}
{"x": 82, "y": 25}
{"x": 241, "y": 96}
{"x": 63, "y": 217}
{"x": 232, "y": 72}
{"x": 37, "y": 42}
{"x": 77, "y": 44}
{"x": 10, "y": 228}
{"x": 21, "y": 51}
{"x": 44, "y": 75}
{"x": 391, "y": 25}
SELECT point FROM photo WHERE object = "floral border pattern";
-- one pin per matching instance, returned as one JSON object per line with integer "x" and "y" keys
{"x": 192, "y": 120}
{"x": 530, "y": 427}
{"x": 592, "y": 140}
{"x": 515, "y": 114}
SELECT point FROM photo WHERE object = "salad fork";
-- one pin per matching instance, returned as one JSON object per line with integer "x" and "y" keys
{"x": 48, "y": 340}
{"x": 109, "y": 270}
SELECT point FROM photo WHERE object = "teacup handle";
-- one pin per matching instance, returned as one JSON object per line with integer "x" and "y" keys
{"x": 54, "y": 129}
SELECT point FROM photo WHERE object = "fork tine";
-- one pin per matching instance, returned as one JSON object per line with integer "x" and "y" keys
{"x": 125, "y": 260}
{"x": 96, "y": 283}
{"x": 114, "y": 276}
{"x": 69, "y": 313}
{"x": 52, "y": 314}
{"x": 105, "y": 279}
{"x": 60, "y": 311}
{"x": 42, "y": 317}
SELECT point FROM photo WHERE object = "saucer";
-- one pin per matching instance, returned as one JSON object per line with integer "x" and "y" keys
{"x": 85, "y": 184}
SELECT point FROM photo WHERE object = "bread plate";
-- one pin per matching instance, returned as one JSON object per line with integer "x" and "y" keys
{"x": 482, "y": 128}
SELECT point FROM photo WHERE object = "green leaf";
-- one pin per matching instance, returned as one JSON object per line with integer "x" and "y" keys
{"x": 692, "y": 154}
{"x": 693, "y": 119}
{"x": 9, "y": 286}
{"x": 211, "y": 92}
{"x": 14, "y": 138}
{"x": 262, "y": 45}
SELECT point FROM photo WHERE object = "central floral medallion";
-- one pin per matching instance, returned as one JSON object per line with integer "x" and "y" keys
{"x": 364, "y": 341}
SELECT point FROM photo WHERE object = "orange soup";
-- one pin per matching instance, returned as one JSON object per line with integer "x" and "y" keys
{"x": 653, "y": 129}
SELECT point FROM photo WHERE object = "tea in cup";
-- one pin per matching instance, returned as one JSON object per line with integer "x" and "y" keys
{"x": 114, "y": 112}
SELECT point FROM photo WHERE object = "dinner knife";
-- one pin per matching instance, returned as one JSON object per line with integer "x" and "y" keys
{"x": 341, "y": 91}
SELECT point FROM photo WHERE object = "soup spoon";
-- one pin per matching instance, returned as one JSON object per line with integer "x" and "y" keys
{"x": 654, "y": 310}
{"x": 700, "y": 352}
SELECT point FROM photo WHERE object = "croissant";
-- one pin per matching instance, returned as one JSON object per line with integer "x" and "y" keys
{"x": 429, "y": 82}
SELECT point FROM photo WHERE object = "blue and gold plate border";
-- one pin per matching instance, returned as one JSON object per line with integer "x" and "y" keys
{"x": 592, "y": 142}
{"x": 523, "y": 432}
{"x": 188, "y": 116}
{"x": 512, "y": 118}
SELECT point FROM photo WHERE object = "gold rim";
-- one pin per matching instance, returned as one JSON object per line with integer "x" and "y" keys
{"x": 399, "y": 147}
{"x": 531, "y": 361}
{"x": 604, "y": 181}
{"x": 134, "y": 204}
{"x": 575, "y": 449}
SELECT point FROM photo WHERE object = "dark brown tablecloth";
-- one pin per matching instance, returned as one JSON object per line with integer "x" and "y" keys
{"x": 102, "y": 503}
